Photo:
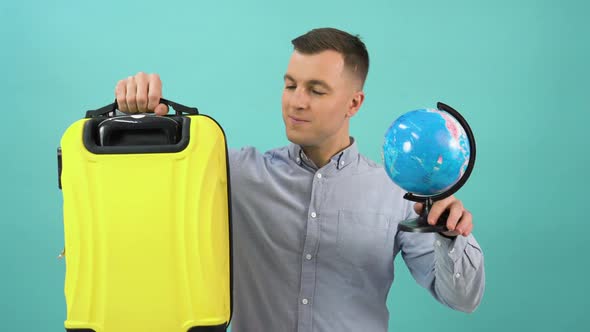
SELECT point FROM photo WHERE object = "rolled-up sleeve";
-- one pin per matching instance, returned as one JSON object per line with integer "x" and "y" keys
{"x": 451, "y": 269}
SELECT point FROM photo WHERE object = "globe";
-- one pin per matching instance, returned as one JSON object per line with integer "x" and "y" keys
{"x": 426, "y": 151}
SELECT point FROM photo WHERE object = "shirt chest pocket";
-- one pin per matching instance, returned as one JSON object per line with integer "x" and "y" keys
{"x": 363, "y": 237}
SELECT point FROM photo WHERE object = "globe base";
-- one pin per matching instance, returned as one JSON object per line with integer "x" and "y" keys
{"x": 421, "y": 225}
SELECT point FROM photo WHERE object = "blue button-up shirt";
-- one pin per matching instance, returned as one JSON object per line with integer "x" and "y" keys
{"x": 314, "y": 248}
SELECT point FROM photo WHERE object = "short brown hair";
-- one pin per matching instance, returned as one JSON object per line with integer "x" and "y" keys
{"x": 353, "y": 50}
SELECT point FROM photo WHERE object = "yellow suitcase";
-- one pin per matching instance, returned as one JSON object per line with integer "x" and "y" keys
{"x": 147, "y": 222}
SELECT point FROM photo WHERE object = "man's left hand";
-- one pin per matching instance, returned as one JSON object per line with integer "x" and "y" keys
{"x": 459, "y": 222}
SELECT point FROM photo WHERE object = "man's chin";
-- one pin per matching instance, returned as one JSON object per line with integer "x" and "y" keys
{"x": 298, "y": 140}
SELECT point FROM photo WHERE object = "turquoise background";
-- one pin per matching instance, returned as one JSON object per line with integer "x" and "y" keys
{"x": 517, "y": 70}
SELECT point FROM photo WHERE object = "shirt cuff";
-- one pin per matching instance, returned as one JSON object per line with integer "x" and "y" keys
{"x": 449, "y": 249}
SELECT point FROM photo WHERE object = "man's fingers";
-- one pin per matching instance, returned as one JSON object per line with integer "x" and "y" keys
{"x": 161, "y": 109}
{"x": 141, "y": 80}
{"x": 140, "y": 93}
{"x": 437, "y": 210}
{"x": 131, "y": 95}
{"x": 455, "y": 213}
{"x": 459, "y": 220}
{"x": 154, "y": 92}
{"x": 120, "y": 94}
{"x": 465, "y": 225}
{"x": 468, "y": 230}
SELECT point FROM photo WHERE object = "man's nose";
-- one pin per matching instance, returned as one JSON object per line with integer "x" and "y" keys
{"x": 300, "y": 98}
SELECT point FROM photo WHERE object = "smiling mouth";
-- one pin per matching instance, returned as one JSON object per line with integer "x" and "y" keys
{"x": 296, "y": 120}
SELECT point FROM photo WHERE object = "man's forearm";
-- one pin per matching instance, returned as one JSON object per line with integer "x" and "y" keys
{"x": 459, "y": 280}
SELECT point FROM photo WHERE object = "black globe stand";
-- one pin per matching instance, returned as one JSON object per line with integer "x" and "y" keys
{"x": 420, "y": 224}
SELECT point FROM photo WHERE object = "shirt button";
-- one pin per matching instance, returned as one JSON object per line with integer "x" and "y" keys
{"x": 298, "y": 159}
{"x": 313, "y": 215}
{"x": 304, "y": 301}
{"x": 458, "y": 275}
{"x": 308, "y": 257}
{"x": 319, "y": 175}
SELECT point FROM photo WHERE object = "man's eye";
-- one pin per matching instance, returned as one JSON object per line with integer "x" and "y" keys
{"x": 290, "y": 87}
{"x": 319, "y": 93}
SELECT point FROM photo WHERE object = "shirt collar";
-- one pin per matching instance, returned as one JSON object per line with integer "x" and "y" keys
{"x": 339, "y": 160}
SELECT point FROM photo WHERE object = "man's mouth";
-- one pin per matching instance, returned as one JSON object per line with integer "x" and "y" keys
{"x": 297, "y": 120}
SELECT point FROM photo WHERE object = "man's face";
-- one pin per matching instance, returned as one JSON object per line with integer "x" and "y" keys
{"x": 318, "y": 99}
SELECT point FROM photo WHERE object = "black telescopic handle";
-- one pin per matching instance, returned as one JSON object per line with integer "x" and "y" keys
{"x": 178, "y": 108}
{"x": 470, "y": 165}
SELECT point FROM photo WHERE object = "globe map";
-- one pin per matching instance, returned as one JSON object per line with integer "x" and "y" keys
{"x": 426, "y": 151}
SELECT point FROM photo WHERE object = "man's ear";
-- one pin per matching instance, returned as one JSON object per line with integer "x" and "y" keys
{"x": 355, "y": 104}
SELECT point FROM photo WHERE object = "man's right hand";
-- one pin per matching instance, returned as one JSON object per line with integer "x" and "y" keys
{"x": 140, "y": 94}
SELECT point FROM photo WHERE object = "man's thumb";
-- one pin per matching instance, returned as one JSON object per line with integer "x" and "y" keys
{"x": 418, "y": 207}
{"x": 161, "y": 109}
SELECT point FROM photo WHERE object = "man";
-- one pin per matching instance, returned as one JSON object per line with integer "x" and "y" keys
{"x": 315, "y": 222}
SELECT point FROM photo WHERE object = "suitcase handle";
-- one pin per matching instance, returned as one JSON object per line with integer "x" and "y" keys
{"x": 178, "y": 108}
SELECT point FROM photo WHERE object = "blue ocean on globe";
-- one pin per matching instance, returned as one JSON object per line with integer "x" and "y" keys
{"x": 426, "y": 151}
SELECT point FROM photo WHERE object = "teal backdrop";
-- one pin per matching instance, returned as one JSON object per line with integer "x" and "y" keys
{"x": 517, "y": 70}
